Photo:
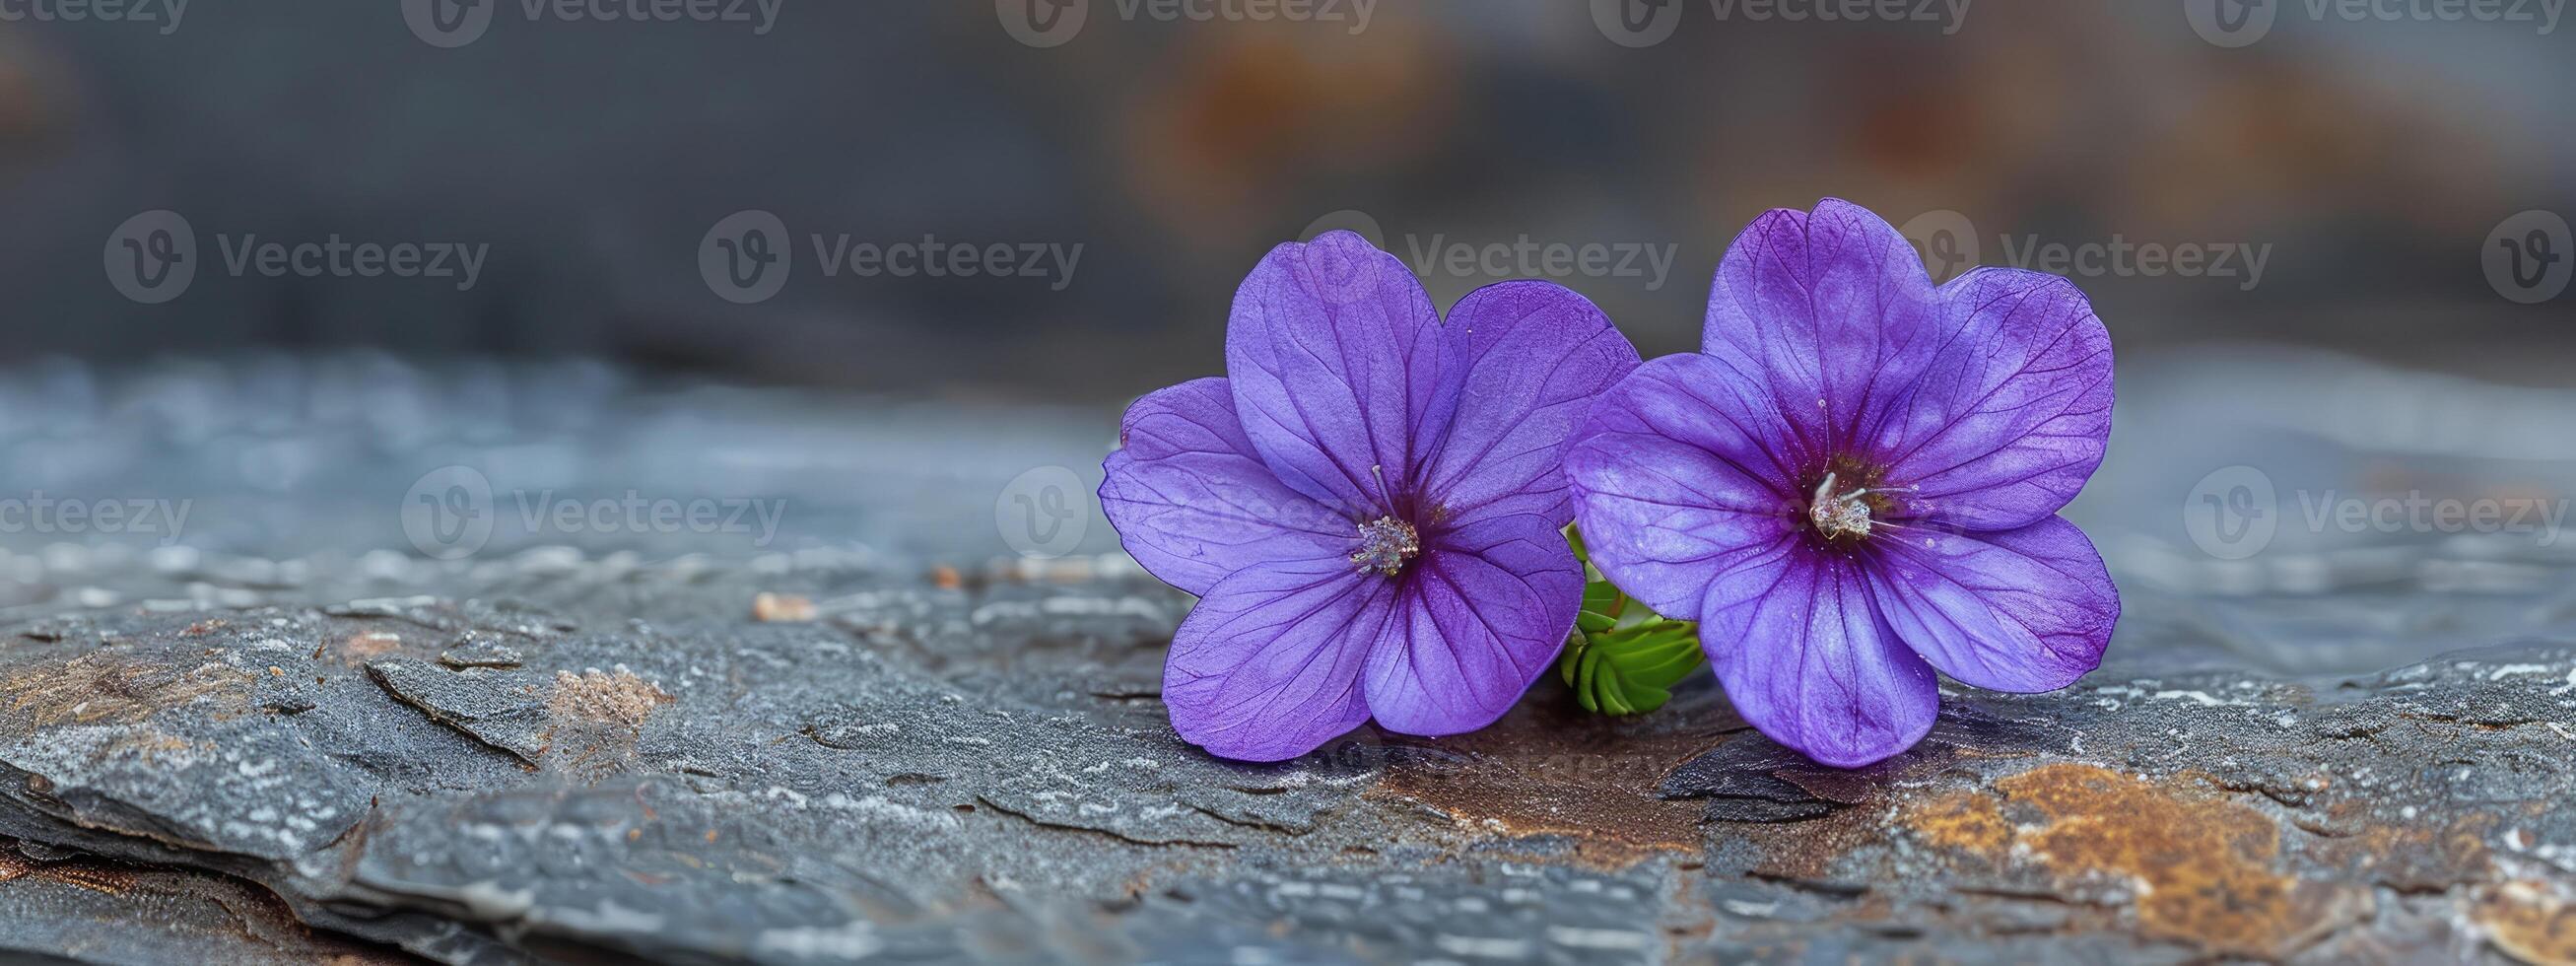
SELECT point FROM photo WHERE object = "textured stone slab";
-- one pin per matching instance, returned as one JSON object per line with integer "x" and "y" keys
{"x": 915, "y": 753}
{"x": 791, "y": 793}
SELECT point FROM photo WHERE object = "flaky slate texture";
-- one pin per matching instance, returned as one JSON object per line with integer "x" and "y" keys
{"x": 566, "y": 753}
{"x": 717, "y": 789}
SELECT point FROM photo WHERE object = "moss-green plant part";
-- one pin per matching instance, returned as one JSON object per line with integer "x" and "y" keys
{"x": 1623, "y": 658}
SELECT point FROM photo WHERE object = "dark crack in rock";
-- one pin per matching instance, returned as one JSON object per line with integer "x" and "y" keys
{"x": 505, "y": 712}
{"x": 76, "y": 908}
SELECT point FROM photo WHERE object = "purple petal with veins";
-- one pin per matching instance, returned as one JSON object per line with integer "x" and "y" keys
{"x": 1193, "y": 503}
{"x": 1369, "y": 504}
{"x": 1856, "y": 482}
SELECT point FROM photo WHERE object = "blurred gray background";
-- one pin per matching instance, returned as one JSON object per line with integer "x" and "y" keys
{"x": 2332, "y": 252}
{"x": 2368, "y": 160}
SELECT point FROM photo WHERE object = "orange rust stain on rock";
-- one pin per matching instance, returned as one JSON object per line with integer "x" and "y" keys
{"x": 1810, "y": 850}
{"x": 1611, "y": 825}
{"x": 106, "y": 686}
{"x": 598, "y": 716}
{"x": 609, "y": 697}
{"x": 2530, "y": 922}
{"x": 94, "y": 876}
{"x": 1543, "y": 772}
{"x": 368, "y": 645}
{"x": 1971, "y": 822}
{"x": 2204, "y": 864}
{"x": 2410, "y": 857}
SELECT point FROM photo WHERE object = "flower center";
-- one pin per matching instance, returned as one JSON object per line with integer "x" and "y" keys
{"x": 1838, "y": 514}
{"x": 1385, "y": 544}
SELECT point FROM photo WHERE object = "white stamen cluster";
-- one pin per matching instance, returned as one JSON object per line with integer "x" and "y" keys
{"x": 1839, "y": 514}
{"x": 1385, "y": 544}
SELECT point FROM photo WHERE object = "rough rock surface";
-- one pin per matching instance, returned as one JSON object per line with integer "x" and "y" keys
{"x": 581, "y": 751}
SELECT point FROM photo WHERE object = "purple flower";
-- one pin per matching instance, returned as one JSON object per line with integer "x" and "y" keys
{"x": 1369, "y": 507}
{"x": 1855, "y": 483}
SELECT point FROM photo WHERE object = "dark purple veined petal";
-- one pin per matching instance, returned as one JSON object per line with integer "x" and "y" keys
{"x": 1806, "y": 659}
{"x": 2012, "y": 413}
{"x": 1193, "y": 503}
{"x": 1829, "y": 313}
{"x": 1675, "y": 483}
{"x": 1535, "y": 355}
{"x": 1481, "y": 614}
{"x": 2012, "y": 610}
{"x": 1267, "y": 666}
{"x": 1339, "y": 370}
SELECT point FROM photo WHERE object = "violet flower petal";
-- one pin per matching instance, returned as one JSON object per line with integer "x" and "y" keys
{"x": 1805, "y": 658}
{"x": 1339, "y": 370}
{"x": 1535, "y": 354}
{"x": 2012, "y": 414}
{"x": 1675, "y": 482}
{"x": 1832, "y": 370}
{"x": 2012, "y": 610}
{"x": 1191, "y": 500}
{"x": 1267, "y": 666}
{"x": 1411, "y": 563}
{"x": 1830, "y": 312}
{"x": 1480, "y": 616}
